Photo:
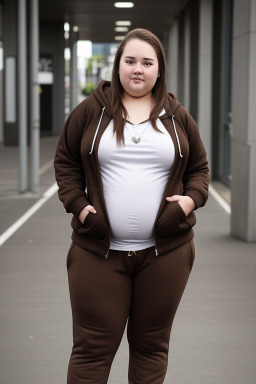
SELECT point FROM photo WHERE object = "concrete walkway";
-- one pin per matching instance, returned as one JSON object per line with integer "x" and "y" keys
{"x": 214, "y": 334}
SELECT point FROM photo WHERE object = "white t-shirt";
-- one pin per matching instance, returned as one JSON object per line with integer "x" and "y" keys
{"x": 134, "y": 177}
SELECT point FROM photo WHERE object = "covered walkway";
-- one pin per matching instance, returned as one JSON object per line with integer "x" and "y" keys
{"x": 213, "y": 338}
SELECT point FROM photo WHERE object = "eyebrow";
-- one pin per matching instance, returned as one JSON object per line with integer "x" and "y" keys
{"x": 144, "y": 58}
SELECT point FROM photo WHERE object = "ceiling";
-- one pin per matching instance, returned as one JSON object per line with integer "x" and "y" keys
{"x": 96, "y": 19}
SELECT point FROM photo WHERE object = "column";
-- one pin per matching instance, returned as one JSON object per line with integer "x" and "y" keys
{"x": 205, "y": 75}
{"x": 243, "y": 147}
{"x": 1, "y": 79}
{"x": 34, "y": 100}
{"x": 172, "y": 60}
{"x": 73, "y": 72}
{"x": 187, "y": 34}
{"x": 22, "y": 95}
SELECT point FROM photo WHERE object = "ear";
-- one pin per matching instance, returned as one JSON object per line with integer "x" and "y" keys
{"x": 158, "y": 75}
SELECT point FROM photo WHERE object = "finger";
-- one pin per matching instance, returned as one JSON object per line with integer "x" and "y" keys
{"x": 173, "y": 198}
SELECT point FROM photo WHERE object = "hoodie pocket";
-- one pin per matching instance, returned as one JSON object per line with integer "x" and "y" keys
{"x": 94, "y": 225}
{"x": 173, "y": 220}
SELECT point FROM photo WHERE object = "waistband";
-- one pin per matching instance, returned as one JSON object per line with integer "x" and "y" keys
{"x": 132, "y": 253}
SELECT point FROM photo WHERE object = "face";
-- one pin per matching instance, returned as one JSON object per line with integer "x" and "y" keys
{"x": 138, "y": 68}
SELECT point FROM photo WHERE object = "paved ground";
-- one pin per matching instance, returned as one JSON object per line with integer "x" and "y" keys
{"x": 214, "y": 335}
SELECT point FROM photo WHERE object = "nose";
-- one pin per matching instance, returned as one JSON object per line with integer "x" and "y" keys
{"x": 138, "y": 68}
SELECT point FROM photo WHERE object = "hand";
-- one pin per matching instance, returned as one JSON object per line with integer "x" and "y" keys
{"x": 85, "y": 212}
{"x": 187, "y": 203}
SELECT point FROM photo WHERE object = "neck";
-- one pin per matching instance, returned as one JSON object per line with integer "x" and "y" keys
{"x": 138, "y": 108}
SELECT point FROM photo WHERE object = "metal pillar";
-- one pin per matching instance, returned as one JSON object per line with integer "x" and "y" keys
{"x": 34, "y": 97}
{"x": 22, "y": 96}
{"x": 74, "y": 82}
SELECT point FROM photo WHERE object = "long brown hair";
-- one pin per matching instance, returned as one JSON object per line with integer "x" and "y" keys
{"x": 159, "y": 91}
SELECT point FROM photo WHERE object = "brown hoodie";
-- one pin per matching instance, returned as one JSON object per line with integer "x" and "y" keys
{"x": 78, "y": 173}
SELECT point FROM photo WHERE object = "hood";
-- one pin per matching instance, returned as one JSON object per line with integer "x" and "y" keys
{"x": 103, "y": 95}
{"x": 171, "y": 106}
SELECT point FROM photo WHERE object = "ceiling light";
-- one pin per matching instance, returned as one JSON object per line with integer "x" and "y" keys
{"x": 124, "y": 23}
{"x": 66, "y": 27}
{"x": 75, "y": 28}
{"x": 119, "y": 38}
{"x": 84, "y": 49}
{"x": 121, "y": 29}
{"x": 123, "y": 4}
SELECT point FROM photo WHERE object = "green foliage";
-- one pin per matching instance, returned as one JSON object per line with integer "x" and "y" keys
{"x": 94, "y": 57}
{"x": 89, "y": 89}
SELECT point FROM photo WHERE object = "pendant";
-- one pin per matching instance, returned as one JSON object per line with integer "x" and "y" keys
{"x": 136, "y": 140}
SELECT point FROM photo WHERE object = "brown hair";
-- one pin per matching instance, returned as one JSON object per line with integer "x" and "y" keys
{"x": 159, "y": 90}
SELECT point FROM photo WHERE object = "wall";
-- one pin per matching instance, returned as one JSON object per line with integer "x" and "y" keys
{"x": 243, "y": 187}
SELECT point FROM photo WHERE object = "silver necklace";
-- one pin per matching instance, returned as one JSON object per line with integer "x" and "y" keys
{"x": 137, "y": 138}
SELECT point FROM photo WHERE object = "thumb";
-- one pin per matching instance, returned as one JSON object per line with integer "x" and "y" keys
{"x": 91, "y": 209}
{"x": 173, "y": 198}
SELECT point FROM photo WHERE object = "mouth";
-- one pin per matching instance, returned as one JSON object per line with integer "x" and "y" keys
{"x": 137, "y": 78}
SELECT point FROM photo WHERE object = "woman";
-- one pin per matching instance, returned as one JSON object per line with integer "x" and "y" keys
{"x": 138, "y": 154}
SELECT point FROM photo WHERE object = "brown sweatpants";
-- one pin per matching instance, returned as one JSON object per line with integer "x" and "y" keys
{"x": 144, "y": 290}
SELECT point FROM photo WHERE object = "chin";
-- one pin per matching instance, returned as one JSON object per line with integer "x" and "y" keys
{"x": 137, "y": 92}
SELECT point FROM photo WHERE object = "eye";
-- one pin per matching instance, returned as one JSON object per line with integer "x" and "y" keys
{"x": 148, "y": 63}
{"x": 129, "y": 62}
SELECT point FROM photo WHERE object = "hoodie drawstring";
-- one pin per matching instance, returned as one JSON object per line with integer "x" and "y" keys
{"x": 96, "y": 132}
{"x": 176, "y": 134}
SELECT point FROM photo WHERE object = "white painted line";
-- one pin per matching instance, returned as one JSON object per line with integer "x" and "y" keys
{"x": 13, "y": 228}
{"x": 220, "y": 199}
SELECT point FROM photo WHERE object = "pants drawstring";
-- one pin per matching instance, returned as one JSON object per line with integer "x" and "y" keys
{"x": 131, "y": 253}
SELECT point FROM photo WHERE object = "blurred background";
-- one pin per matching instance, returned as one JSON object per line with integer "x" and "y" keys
{"x": 53, "y": 53}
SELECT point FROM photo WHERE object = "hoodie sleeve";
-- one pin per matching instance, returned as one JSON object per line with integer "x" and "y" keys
{"x": 196, "y": 175}
{"x": 69, "y": 170}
